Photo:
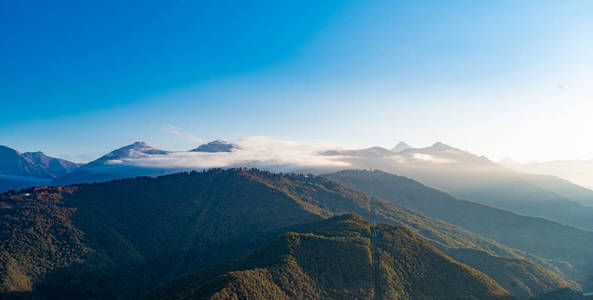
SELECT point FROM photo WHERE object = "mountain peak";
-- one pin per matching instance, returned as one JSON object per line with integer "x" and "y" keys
{"x": 216, "y": 146}
{"x": 32, "y": 164}
{"x": 401, "y": 146}
{"x": 139, "y": 144}
{"x": 13, "y": 162}
{"x": 440, "y": 146}
{"x": 135, "y": 150}
{"x": 38, "y": 157}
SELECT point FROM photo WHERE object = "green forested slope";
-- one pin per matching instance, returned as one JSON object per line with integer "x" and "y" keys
{"x": 119, "y": 239}
{"x": 537, "y": 236}
{"x": 335, "y": 260}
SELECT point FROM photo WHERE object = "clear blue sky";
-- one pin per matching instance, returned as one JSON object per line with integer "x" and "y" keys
{"x": 499, "y": 78}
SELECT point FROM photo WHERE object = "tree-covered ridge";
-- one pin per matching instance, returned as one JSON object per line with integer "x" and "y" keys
{"x": 521, "y": 278}
{"x": 118, "y": 239}
{"x": 155, "y": 228}
{"x": 334, "y": 260}
{"x": 413, "y": 269}
{"x": 36, "y": 236}
{"x": 339, "y": 199}
{"x": 537, "y": 236}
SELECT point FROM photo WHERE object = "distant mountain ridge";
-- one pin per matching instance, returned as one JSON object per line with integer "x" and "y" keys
{"x": 21, "y": 170}
{"x": 577, "y": 171}
{"x": 56, "y": 167}
{"x": 33, "y": 164}
{"x": 455, "y": 171}
{"x": 401, "y": 146}
{"x": 478, "y": 179}
{"x": 114, "y": 165}
{"x": 133, "y": 151}
{"x": 120, "y": 163}
{"x": 14, "y": 163}
{"x": 216, "y": 146}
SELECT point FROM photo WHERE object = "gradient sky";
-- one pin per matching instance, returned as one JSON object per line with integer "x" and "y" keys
{"x": 498, "y": 78}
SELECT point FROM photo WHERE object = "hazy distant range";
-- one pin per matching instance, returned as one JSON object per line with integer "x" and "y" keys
{"x": 577, "y": 171}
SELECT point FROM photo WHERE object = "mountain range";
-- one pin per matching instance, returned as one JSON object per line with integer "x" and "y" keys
{"x": 577, "y": 171}
{"x": 139, "y": 237}
{"x": 113, "y": 165}
{"x": 21, "y": 170}
{"x": 452, "y": 170}
{"x": 534, "y": 235}
{"x": 33, "y": 164}
{"x": 478, "y": 179}
{"x": 460, "y": 173}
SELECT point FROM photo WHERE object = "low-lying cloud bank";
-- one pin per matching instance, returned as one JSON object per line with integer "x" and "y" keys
{"x": 432, "y": 158}
{"x": 258, "y": 152}
{"x": 280, "y": 156}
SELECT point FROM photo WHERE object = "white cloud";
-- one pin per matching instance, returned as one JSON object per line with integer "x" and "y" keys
{"x": 258, "y": 152}
{"x": 432, "y": 158}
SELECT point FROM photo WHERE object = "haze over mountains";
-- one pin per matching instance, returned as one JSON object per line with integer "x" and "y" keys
{"x": 577, "y": 171}
{"x": 401, "y": 146}
{"x": 460, "y": 173}
{"x": 478, "y": 179}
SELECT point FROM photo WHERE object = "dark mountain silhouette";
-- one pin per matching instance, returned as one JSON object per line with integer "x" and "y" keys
{"x": 216, "y": 146}
{"x": 14, "y": 163}
{"x": 22, "y": 170}
{"x": 339, "y": 258}
{"x": 121, "y": 238}
{"x": 538, "y": 236}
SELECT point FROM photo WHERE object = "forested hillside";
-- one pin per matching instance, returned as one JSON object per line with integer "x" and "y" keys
{"x": 339, "y": 258}
{"x": 121, "y": 238}
{"x": 538, "y": 236}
